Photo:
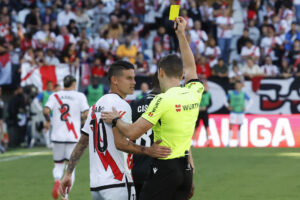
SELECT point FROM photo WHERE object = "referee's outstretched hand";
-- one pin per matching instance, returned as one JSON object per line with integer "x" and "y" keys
{"x": 157, "y": 151}
{"x": 179, "y": 25}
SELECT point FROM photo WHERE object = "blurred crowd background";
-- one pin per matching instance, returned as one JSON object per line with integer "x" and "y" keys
{"x": 231, "y": 40}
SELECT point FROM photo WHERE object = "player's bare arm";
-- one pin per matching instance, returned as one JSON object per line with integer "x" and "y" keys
{"x": 128, "y": 146}
{"x": 131, "y": 131}
{"x": 75, "y": 157}
{"x": 186, "y": 52}
{"x": 46, "y": 112}
{"x": 84, "y": 116}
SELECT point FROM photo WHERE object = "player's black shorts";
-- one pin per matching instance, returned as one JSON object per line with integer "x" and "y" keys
{"x": 168, "y": 180}
{"x": 204, "y": 116}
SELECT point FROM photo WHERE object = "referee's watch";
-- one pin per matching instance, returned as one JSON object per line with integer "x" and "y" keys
{"x": 114, "y": 121}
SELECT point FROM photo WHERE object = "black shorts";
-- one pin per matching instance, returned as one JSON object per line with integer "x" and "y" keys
{"x": 204, "y": 116}
{"x": 168, "y": 180}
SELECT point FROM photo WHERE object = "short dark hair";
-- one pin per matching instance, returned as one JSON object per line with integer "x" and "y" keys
{"x": 172, "y": 65}
{"x": 117, "y": 67}
{"x": 68, "y": 81}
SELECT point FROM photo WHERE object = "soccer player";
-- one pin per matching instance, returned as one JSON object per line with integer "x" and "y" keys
{"x": 69, "y": 109}
{"x": 203, "y": 114}
{"x": 110, "y": 168}
{"x": 172, "y": 115}
{"x": 237, "y": 106}
{"x": 141, "y": 163}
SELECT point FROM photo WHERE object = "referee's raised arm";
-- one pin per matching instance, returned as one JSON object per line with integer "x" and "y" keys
{"x": 186, "y": 52}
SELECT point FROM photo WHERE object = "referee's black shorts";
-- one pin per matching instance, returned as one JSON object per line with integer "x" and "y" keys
{"x": 168, "y": 180}
{"x": 204, "y": 116}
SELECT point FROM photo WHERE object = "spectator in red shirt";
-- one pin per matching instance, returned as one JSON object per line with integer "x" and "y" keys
{"x": 98, "y": 70}
{"x": 203, "y": 69}
{"x": 139, "y": 9}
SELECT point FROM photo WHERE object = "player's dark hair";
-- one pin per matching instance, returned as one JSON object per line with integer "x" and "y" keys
{"x": 155, "y": 84}
{"x": 117, "y": 67}
{"x": 68, "y": 81}
{"x": 172, "y": 65}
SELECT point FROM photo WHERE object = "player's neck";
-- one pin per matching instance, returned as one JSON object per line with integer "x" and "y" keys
{"x": 116, "y": 91}
{"x": 169, "y": 83}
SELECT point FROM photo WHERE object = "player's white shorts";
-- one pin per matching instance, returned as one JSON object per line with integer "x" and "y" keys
{"x": 237, "y": 118}
{"x": 117, "y": 193}
{"x": 62, "y": 151}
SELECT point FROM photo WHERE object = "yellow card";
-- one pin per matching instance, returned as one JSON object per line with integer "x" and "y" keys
{"x": 174, "y": 12}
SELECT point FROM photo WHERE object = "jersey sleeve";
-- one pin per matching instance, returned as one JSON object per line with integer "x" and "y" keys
{"x": 51, "y": 102}
{"x": 196, "y": 86}
{"x": 127, "y": 116}
{"x": 155, "y": 110}
{"x": 86, "y": 127}
{"x": 84, "y": 103}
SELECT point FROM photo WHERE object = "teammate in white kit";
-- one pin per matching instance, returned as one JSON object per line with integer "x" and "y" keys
{"x": 68, "y": 107}
{"x": 110, "y": 168}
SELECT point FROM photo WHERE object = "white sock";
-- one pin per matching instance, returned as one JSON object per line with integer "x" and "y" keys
{"x": 229, "y": 137}
{"x": 58, "y": 171}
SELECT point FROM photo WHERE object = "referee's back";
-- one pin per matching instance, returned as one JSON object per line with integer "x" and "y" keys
{"x": 174, "y": 114}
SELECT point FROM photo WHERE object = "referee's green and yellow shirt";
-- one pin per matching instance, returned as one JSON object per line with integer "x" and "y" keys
{"x": 174, "y": 114}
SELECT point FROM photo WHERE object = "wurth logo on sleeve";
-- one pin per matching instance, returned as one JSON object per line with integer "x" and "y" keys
{"x": 178, "y": 107}
{"x": 150, "y": 114}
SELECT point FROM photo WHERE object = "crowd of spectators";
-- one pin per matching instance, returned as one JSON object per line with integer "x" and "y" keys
{"x": 232, "y": 40}
{"x": 95, "y": 32}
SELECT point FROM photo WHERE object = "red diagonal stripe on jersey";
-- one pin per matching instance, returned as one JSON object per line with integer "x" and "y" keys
{"x": 122, "y": 113}
{"x": 70, "y": 125}
{"x": 106, "y": 158}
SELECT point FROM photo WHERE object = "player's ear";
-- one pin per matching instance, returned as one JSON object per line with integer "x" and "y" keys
{"x": 161, "y": 72}
{"x": 114, "y": 80}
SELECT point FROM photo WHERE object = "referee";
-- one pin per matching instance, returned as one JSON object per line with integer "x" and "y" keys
{"x": 172, "y": 115}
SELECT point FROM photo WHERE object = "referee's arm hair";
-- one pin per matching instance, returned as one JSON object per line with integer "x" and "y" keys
{"x": 128, "y": 146}
{"x": 135, "y": 130}
{"x": 186, "y": 52}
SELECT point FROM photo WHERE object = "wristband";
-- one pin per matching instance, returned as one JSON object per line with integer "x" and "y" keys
{"x": 114, "y": 121}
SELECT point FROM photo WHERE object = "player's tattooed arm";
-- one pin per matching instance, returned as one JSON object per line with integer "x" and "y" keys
{"x": 77, "y": 152}
{"x": 128, "y": 146}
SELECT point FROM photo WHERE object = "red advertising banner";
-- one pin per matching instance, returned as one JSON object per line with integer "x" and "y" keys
{"x": 256, "y": 131}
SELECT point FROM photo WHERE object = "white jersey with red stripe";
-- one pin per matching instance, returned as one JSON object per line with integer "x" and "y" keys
{"x": 109, "y": 167}
{"x": 224, "y": 33}
{"x": 66, "y": 106}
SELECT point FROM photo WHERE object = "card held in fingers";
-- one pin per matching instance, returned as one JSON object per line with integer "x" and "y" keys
{"x": 174, "y": 12}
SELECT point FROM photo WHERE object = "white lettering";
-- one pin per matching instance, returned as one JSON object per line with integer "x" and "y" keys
{"x": 283, "y": 132}
{"x": 225, "y": 131}
{"x": 265, "y": 133}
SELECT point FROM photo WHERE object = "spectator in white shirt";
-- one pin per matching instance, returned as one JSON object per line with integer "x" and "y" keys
{"x": 213, "y": 52}
{"x": 271, "y": 44}
{"x": 225, "y": 26}
{"x": 45, "y": 38}
{"x": 198, "y": 34}
{"x": 297, "y": 7}
{"x": 250, "y": 51}
{"x": 206, "y": 16}
{"x": 269, "y": 69}
{"x": 82, "y": 19}
{"x": 65, "y": 16}
{"x": 64, "y": 38}
{"x": 235, "y": 74}
{"x": 251, "y": 70}
{"x": 254, "y": 33}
